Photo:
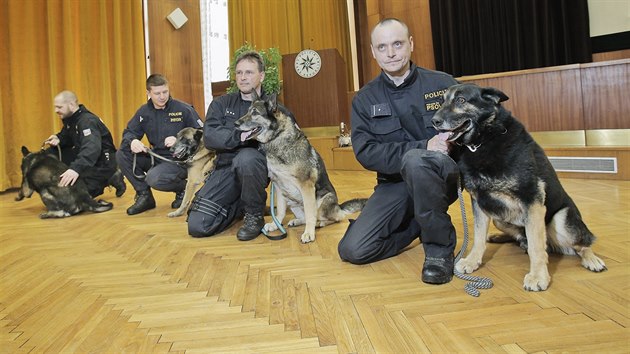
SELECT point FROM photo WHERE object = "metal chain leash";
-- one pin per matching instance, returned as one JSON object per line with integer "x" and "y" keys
{"x": 474, "y": 282}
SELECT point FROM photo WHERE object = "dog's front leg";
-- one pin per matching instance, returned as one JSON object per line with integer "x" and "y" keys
{"x": 310, "y": 211}
{"x": 538, "y": 277}
{"x": 194, "y": 179}
{"x": 475, "y": 257}
{"x": 280, "y": 210}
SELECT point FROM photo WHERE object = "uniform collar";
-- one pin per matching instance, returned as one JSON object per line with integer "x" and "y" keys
{"x": 408, "y": 80}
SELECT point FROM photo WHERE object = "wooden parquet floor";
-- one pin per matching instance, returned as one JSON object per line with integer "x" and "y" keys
{"x": 111, "y": 283}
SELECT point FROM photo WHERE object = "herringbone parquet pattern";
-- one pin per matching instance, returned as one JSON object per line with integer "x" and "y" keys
{"x": 110, "y": 283}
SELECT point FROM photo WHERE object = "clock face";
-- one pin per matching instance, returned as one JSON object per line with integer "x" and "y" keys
{"x": 307, "y": 63}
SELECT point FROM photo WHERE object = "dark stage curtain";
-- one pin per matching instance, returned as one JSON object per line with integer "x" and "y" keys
{"x": 486, "y": 36}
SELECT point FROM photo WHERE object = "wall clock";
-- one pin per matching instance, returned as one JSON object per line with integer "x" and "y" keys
{"x": 307, "y": 63}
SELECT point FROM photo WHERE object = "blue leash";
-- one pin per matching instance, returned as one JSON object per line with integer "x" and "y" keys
{"x": 283, "y": 234}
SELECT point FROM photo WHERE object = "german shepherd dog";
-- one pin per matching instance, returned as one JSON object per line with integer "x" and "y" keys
{"x": 295, "y": 168}
{"x": 199, "y": 160}
{"x": 40, "y": 173}
{"x": 512, "y": 182}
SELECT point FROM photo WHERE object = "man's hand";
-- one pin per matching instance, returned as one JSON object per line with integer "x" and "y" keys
{"x": 439, "y": 143}
{"x": 52, "y": 140}
{"x": 68, "y": 178}
{"x": 169, "y": 141}
{"x": 137, "y": 146}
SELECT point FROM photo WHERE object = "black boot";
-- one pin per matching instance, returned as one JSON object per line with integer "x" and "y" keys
{"x": 252, "y": 226}
{"x": 437, "y": 270}
{"x": 179, "y": 196}
{"x": 144, "y": 201}
{"x": 118, "y": 181}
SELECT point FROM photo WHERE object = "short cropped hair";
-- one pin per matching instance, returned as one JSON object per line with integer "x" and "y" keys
{"x": 388, "y": 20}
{"x": 252, "y": 56}
{"x": 156, "y": 80}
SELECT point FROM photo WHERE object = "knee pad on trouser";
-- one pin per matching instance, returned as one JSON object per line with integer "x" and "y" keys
{"x": 207, "y": 218}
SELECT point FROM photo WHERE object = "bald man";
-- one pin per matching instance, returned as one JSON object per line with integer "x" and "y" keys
{"x": 87, "y": 147}
{"x": 392, "y": 134}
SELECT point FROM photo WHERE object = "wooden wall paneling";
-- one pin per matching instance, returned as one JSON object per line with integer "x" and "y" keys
{"x": 322, "y": 99}
{"x": 543, "y": 100}
{"x": 616, "y": 55}
{"x": 177, "y": 53}
{"x": 604, "y": 89}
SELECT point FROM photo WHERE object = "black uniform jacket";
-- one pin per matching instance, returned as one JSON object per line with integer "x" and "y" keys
{"x": 389, "y": 120}
{"x": 219, "y": 131}
{"x": 89, "y": 138}
{"x": 158, "y": 124}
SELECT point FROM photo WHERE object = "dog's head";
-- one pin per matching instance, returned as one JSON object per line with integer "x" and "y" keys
{"x": 259, "y": 123}
{"x": 467, "y": 111}
{"x": 27, "y": 161}
{"x": 187, "y": 143}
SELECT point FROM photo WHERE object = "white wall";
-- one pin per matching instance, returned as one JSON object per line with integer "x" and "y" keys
{"x": 609, "y": 16}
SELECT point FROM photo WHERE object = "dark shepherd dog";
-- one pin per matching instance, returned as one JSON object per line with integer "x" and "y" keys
{"x": 295, "y": 168}
{"x": 40, "y": 173}
{"x": 512, "y": 183}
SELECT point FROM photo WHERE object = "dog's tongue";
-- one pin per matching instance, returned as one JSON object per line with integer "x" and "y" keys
{"x": 244, "y": 136}
{"x": 444, "y": 136}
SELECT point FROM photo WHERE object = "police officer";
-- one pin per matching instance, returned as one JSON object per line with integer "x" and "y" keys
{"x": 392, "y": 134}
{"x": 237, "y": 184}
{"x": 160, "y": 119}
{"x": 87, "y": 147}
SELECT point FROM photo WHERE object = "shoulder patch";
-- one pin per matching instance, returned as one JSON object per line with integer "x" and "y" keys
{"x": 87, "y": 132}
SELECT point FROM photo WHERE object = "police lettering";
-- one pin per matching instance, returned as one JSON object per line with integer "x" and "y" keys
{"x": 433, "y": 106}
{"x": 434, "y": 94}
{"x": 176, "y": 114}
{"x": 178, "y": 119}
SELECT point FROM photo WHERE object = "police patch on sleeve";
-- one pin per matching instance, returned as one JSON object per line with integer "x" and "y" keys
{"x": 200, "y": 122}
{"x": 87, "y": 132}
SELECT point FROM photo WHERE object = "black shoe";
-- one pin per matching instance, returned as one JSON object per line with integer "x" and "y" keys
{"x": 252, "y": 227}
{"x": 437, "y": 270}
{"x": 118, "y": 181}
{"x": 144, "y": 202}
{"x": 179, "y": 196}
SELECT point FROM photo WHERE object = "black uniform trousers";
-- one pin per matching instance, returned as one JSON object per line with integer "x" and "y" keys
{"x": 160, "y": 175}
{"x": 400, "y": 211}
{"x": 229, "y": 190}
{"x": 97, "y": 177}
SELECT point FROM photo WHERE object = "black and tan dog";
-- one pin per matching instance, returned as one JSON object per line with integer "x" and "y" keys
{"x": 512, "y": 182}
{"x": 40, "y": 173}
{"x": 199, "y": 161}
{"x": 295, "y": 168}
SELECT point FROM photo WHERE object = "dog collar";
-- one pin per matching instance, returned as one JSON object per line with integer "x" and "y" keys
{"x": 473, "y": 148}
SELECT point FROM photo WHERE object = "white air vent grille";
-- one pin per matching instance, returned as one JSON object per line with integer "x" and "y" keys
{"x": 584, "y": 164}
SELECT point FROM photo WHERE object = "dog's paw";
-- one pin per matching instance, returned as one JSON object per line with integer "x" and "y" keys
{"x": 536, "y": 282}
{"x": 590, "y": 261}
{"x": 270, "y": 227}
{"x": 176, "y": 213}
{"x": 295, "y": 222}
{"x": 307, "y": 237}
{"x": 594, "y": 264}
{"x": 467, "y": 265}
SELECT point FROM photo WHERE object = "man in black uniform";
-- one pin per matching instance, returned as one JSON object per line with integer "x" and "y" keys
{"x": 392, "y": 134}
{"x": 87, "y": 147}
{"x": 239, "y": 179}
{"x": 160, "y": 119}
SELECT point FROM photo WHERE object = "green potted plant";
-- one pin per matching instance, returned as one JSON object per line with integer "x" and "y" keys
{"x": 271, "y": 58}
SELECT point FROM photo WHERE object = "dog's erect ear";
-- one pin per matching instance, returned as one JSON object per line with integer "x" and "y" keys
{"x": 198, "y": 134}
{"x": 271, "y": 103}
{"x": 25, "y": 151}
{"x": 494, "y": 94}
{"x": 255, "y": 96}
